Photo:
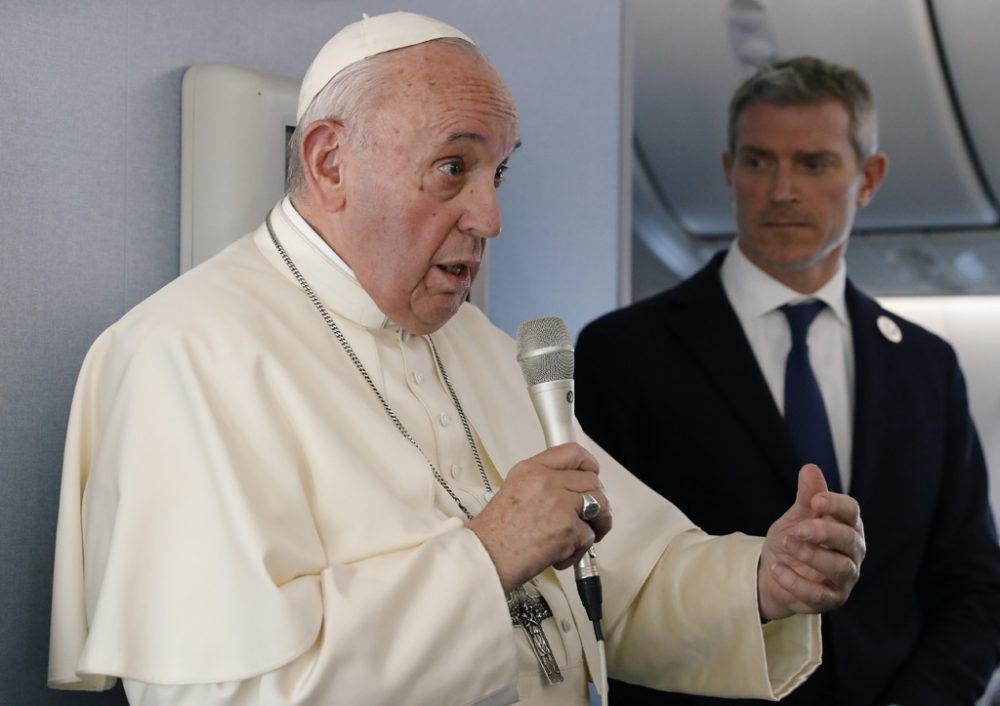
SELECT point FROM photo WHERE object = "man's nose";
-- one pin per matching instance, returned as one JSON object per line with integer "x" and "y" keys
{"x": 482, "y": 212}
{"x": 783, "y": 186}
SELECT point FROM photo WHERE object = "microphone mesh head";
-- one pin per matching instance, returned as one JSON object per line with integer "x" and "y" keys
{"x": 544, "y": 350}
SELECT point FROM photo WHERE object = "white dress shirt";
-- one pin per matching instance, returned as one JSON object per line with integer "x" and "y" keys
{"x": 757, "y": 297}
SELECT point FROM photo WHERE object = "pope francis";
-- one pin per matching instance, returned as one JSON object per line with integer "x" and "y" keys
{"x": 307, "y": 472}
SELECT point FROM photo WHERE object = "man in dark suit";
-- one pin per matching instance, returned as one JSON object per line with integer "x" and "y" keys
{"x": 699, "y": 391}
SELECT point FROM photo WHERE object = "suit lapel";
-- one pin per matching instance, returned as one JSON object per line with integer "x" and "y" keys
{"x": 871, "y": 403}
{"x": 702, "y": 319}
{"x": 704, "y": 322}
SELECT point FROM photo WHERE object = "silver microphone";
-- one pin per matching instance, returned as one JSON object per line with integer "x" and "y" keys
{"x": 547, "y": 361}
{"x": 546, "y": 357}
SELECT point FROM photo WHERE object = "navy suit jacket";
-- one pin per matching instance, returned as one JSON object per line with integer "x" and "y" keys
{"x": 671, "y": 388}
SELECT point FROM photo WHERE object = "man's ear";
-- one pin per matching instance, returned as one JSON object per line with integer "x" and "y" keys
{"x": 872, "y": 175}
{"x": 727, "y": 163}
{"x": 322, "y": 152}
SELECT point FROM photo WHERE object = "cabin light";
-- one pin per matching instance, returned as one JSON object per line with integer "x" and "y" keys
{"x": 970, "y": 267}
{"x": 751, "y": 33}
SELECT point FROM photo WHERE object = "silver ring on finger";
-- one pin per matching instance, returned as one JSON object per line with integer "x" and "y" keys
{"x": 591, "y": 508}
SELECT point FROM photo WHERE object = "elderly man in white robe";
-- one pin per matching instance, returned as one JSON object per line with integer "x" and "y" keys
{"x": 308, "y": 472}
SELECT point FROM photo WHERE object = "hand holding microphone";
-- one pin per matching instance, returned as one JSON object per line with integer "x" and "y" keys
{"x": 536, "y": 519}
{"x": 547, "y": 363}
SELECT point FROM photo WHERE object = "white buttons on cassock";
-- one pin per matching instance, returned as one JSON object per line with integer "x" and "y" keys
{"x": 445, "y": 419}
{"x": 416, "y": 377}
{"x": 456, "y": 470}
{"x": 565, "y": 625}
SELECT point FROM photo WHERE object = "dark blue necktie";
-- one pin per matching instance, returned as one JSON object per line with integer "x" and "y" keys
{"x": 805, "y": 413}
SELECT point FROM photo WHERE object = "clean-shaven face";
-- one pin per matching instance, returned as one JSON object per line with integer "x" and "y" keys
{"x": 796, "y": 185}
{"x": 421, "y": 196}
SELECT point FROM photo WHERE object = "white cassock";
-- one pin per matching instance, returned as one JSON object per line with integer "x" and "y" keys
{"x": 240, "y": 521}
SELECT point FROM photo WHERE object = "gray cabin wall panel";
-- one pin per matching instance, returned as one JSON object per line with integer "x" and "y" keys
{"x": 62, "y": 156}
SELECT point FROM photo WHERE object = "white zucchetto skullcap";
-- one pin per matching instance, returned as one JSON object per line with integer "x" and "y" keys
{"x": 368, "y": 37}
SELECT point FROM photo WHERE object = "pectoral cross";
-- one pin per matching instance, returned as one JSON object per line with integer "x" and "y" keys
{"x": 527, "y": 611}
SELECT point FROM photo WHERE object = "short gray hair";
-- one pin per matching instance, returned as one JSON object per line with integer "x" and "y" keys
{"x": 806, "y": 80}
{"x": 349, "y": 98}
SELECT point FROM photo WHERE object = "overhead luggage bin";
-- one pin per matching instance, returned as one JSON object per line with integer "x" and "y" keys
{"x": 969, "y": 35}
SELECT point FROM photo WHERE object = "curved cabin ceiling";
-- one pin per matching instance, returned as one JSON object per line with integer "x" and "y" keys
{"x": 933, "y": 227}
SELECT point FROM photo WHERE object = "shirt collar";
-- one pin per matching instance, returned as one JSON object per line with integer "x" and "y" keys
{"x": 754, "y": 293}
{"x": 334, "y": 283}
{"x": 313, "y": 237}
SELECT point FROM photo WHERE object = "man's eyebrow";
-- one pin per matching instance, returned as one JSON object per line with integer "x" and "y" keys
{"x": 817, "y": 154}
{"x": 460, "y": 136}
{"x": 475, "y": 137}
{"x": 750, "y": 149}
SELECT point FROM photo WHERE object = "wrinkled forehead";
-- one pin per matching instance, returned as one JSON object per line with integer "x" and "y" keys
{"x": 448, "y": 82}
{"x": 448, "y": 71}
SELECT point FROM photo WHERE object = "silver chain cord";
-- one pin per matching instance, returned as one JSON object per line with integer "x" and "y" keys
{"x": 332, "y": 325}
